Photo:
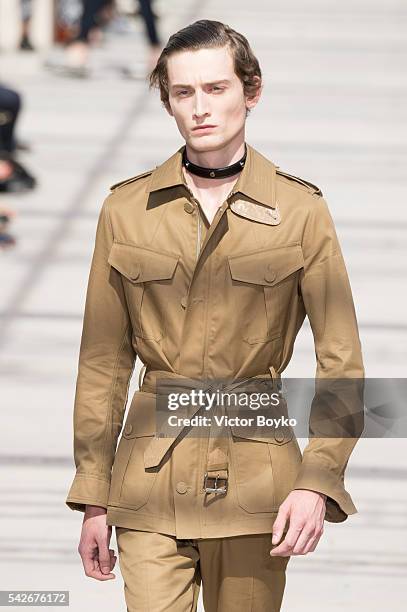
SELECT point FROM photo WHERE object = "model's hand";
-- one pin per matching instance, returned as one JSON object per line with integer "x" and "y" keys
{"x": 98, "y": 560}
{"x": 306, "y": 512}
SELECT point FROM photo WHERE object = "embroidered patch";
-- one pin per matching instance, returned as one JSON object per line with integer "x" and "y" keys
{"x": 256, "y": 212}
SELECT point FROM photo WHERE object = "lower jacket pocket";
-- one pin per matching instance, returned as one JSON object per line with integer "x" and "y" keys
{"x": 253, "y": 475}
{"x": 137, "y": 481}
{"x": 131, "y": 482}
{"x": 255, "y": 457}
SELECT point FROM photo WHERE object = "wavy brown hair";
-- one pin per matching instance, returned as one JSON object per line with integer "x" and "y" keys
{"x": 204, "y": 34}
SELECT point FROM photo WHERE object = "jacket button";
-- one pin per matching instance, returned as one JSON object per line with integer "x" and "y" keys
{"x": 188, "y": 207}
{"x": 128, "y": 429}
{"x": 181, "y": 487}
{"x": 278, "y": 435}
{"x": 270, "y": 274}
{"x": 184, "y": 301}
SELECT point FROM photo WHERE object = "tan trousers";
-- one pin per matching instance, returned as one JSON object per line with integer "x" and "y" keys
{"x": 162, "y": 573}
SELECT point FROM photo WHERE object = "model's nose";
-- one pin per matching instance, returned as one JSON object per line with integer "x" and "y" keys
{"x": 200, "y": 105}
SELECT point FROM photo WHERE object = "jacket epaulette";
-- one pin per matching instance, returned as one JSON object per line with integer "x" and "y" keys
{"x": 130, "y": 180}
{"x": 314, "y": 188}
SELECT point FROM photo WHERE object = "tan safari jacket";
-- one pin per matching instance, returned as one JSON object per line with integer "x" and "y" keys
{"x": 207, "y": 301}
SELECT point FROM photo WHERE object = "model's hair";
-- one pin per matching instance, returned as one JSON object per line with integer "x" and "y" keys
{"x": 204, "y": 34}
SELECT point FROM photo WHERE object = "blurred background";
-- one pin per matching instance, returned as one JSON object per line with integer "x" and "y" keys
{"x": 76, "y": 116}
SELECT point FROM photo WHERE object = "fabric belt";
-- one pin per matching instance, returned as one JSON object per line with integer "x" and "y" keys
{"x": 216, "y": 474}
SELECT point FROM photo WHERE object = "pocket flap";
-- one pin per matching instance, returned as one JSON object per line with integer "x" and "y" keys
{"x": 268, "y": 266}
{"x": 280, "y": 436}
{"x": 265, "y": 424}
{"x": 142, "y": 264}
{"x": 141, "y": 418}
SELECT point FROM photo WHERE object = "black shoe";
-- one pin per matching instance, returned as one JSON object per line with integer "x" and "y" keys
{"x": 25, "y": 44}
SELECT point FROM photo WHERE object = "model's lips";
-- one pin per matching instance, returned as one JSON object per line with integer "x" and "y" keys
{"x": 203, "y": 128}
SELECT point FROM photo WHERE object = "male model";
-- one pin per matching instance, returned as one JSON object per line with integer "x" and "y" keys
{"x": 206, "y": 267}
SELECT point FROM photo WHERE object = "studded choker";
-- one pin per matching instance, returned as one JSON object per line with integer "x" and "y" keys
{"x": 214, "y": 172}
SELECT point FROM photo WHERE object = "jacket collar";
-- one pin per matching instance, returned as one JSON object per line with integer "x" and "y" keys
{"x": 257, "y": 180}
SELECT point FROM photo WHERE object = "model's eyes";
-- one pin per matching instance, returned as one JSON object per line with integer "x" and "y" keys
{"x": 184, "y": 92}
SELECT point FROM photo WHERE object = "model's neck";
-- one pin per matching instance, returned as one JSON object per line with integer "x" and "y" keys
{"x": 218, "y": 158}
{"x": 214, "y": 159}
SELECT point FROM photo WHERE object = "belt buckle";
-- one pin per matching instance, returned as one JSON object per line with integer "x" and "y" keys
{"x": 215, "y": 489}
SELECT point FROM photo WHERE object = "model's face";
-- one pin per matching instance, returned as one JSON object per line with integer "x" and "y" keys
{"x": 204, "y": 90}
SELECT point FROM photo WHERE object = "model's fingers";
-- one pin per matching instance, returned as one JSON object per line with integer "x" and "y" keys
{"x": 279, "y": 524}
{"x": 313, "y": 543}
{"x": 285, "y": 548}
{"x": 90, "y": 563}
{"x": 99, "y": 575}
{"x": 104, "y": 557}
{"x": 307, "y": 534}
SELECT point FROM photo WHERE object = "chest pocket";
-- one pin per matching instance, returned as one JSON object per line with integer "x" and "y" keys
{"x": 264, "y": 283}
{"x": 148, "y": 283}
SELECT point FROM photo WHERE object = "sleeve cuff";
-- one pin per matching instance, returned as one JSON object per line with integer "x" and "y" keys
{"x": 319, "y": 478}
{"x": 88, "y": 489}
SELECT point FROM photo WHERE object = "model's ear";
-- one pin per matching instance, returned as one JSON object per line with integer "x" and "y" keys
{"x": 251, "y": 101}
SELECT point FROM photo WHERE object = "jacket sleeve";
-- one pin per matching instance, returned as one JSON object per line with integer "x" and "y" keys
{"x": 106, "y": 363}
{"x": 336, "y": 417}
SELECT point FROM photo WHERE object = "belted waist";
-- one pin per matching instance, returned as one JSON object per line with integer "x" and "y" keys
{"x": 215, "y": 478}
{"x": 148, "y": 380}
